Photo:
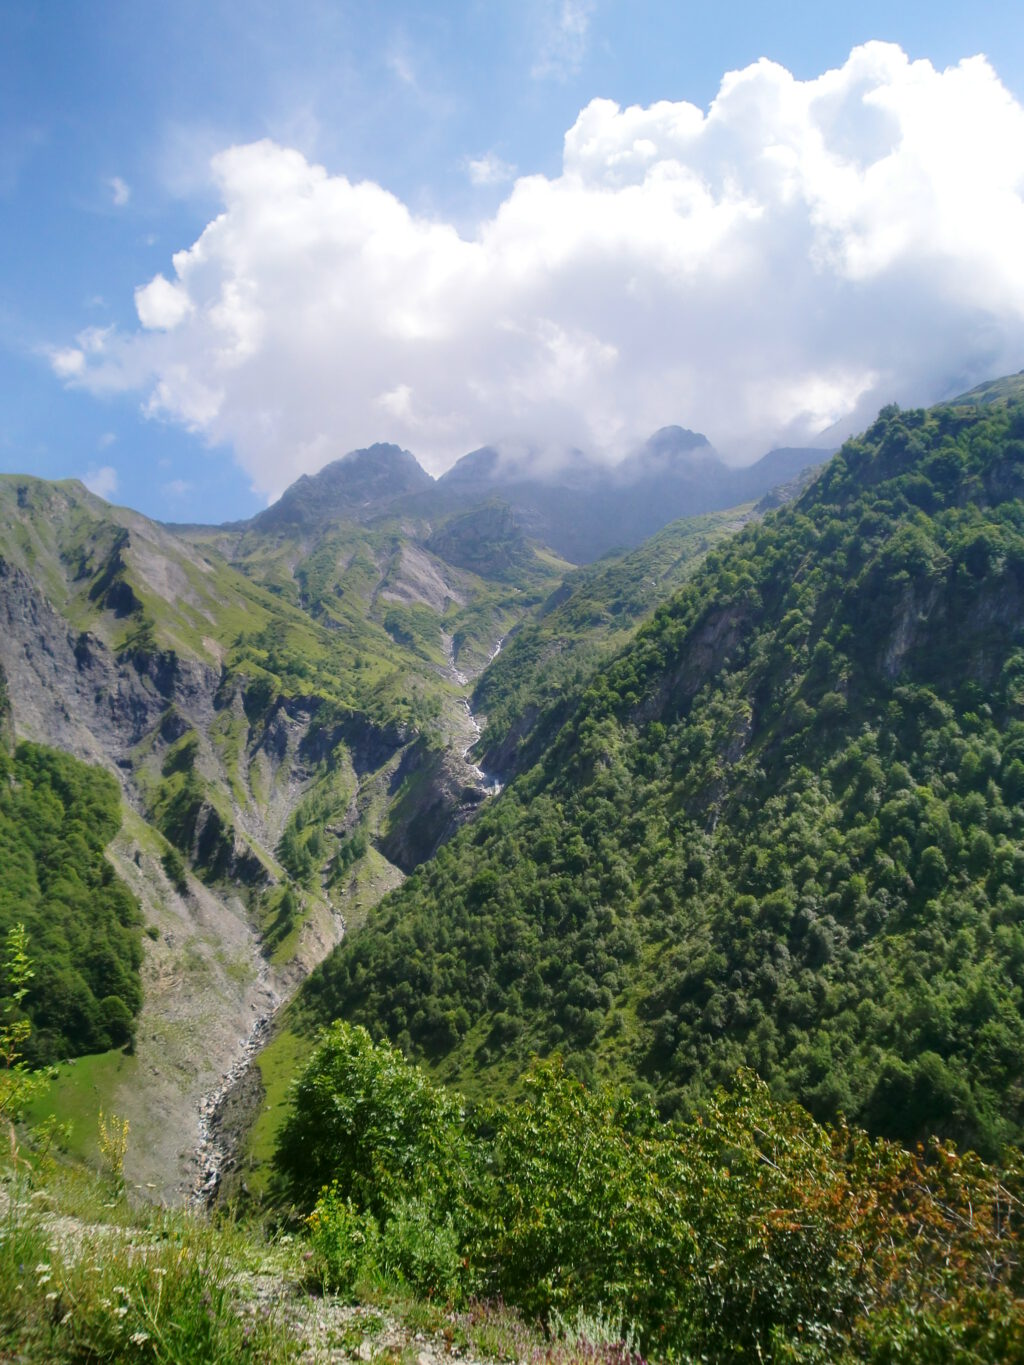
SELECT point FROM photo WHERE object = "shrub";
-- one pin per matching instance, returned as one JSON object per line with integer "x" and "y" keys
{"x": 345, "y": 1242}
{"x": 421, "y": 1248}
{"x": 367, "y": 1121}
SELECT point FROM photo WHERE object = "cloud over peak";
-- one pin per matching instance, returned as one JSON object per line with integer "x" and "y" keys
{"x": 793, "y": 257}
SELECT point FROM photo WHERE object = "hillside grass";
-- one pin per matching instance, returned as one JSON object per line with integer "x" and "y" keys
{"x": 76, "y": 1093}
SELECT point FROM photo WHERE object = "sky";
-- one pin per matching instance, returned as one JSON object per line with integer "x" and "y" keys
{"x": 240, "y": 239}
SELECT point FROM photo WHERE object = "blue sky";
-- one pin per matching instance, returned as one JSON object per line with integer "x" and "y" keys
{"x": 111, "y": 112}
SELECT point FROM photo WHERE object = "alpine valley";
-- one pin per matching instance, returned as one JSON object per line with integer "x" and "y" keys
{"x": 282, "y": 710}
{"x": 646, "y": 778}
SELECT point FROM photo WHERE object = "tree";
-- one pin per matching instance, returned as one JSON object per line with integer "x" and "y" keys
{"x": 366, "y": 1120}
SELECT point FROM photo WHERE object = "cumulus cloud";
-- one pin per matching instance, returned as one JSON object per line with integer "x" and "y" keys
{"x": 794, "y": 257}
{"x": 102, "y": 481}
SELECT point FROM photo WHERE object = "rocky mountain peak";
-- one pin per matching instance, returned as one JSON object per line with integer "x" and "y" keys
{"x": 357, "y": 486}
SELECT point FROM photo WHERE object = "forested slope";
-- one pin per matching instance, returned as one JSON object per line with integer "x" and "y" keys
{"x": 535, "y": 682}
{"x": 83, "y": 924}
{"x": 785, "y": 827}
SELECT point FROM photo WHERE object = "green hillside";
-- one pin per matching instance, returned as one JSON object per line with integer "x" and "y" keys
{"x": 83, "y": 924}
{"x": 260, "y": 684}
{"x": 784, "y": 828}
{"x": 532, "y": 685}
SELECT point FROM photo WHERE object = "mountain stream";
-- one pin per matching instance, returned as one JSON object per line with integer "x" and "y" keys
{"x": 491, "y": 784}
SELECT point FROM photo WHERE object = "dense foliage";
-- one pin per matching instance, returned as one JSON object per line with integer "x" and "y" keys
{"x": 750, "y": 1234}
{"x": 783, "y": 829}
{"x": 593, "y": 612}
{"x": 82, "y": 923}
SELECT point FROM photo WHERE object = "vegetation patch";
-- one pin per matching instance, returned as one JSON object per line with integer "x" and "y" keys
{"x": 783, "y": 829}
{"x": 57, "y": 816}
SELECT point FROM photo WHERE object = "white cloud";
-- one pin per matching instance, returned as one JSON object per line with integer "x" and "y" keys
{"x": 106, "y": 440}
{"x": 120, "y": 192}
{"x": 489, "y": 169}
{"x": 563, "y": 39}
{"x": 162, "y": 305}
{"x": 67, "y": 362}
{"x": 102, "y": 482}
{"x": 796, "y": 256}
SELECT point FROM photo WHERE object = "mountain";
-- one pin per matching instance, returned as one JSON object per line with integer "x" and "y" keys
{"x": 783, "y": 828}
{"x": 283, "y": 708}
{"x": 584, "y": 508}
{"x": 766, "y": 805}
{"x": 534, "y": 682}
{"x": 360, "y": 485}
{"x": 284, "y": 718}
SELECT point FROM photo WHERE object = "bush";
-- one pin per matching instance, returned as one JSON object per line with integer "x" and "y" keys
{"x": 366, "y": 1121}
{"x": 750, "y": 1233}
{"x": 421, "y": 1248}
{"x": 345, "y": 1242}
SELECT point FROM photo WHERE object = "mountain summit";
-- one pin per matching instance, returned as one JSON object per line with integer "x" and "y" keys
{"x": 357, "y": 487}
{"x": 579, "y": 506}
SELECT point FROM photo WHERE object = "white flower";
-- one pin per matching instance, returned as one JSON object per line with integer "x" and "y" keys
{"x": 51, "y": 1297}
{"x": 138, "y": 1338}
{"x": 122, "y": 1311}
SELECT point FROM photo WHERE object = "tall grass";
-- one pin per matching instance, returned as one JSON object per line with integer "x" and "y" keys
{"x": 164, "y": 1290}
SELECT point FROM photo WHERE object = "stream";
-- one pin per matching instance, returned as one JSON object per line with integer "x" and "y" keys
{"x": 211, "y": 1152}
{"x": 491, "y": 784}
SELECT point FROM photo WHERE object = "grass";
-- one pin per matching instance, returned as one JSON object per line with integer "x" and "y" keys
{"x": 88, "y": 1274}
{"x": 279, "y": 1063}
{"x": 162, "y": 1287}
{"x": 78, "y": 1091}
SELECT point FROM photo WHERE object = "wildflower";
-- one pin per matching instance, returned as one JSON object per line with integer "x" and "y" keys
{"x": 52, "y": 1296}
{"x": 122, "y": 1311}
{"x": 41, "y": 1267}
{"x": 45, "y": 1279}
{"x": 139, "y": 1338}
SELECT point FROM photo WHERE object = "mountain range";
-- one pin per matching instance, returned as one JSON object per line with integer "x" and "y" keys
{"x": 284, "y": 706}
{"x": 761, "y": 776}
{"x": 783, "y": 828}
{"x": 580, "y": 507}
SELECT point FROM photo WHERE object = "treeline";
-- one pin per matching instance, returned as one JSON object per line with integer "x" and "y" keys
{"x": 752, "y": 1233}
{"x": 57, "y": 816}
{"x": 784, "y": 829}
